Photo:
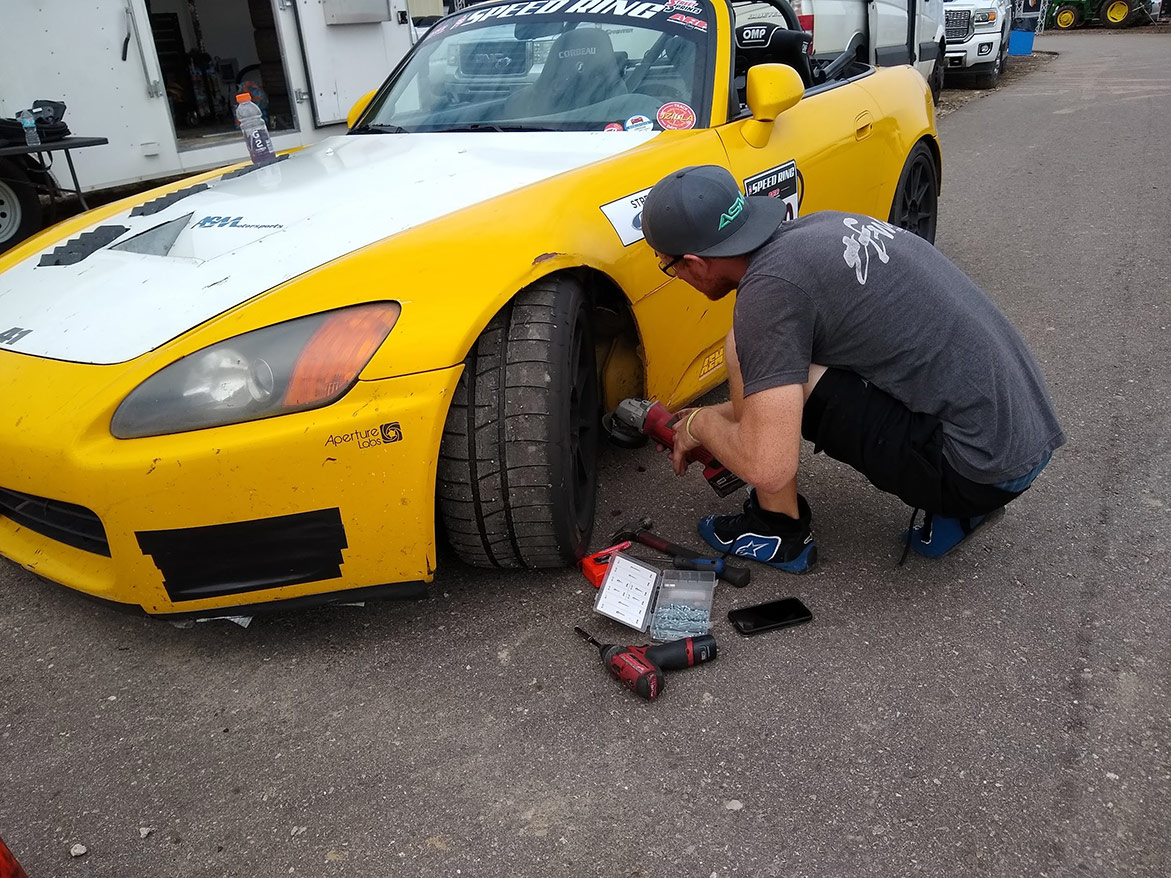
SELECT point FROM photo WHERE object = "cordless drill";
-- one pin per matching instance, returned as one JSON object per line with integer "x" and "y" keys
{"x": 654, "y": 421}
{"x": 640, "y": 668}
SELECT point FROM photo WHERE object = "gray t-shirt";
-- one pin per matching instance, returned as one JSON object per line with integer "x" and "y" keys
{"x": 856, "y": 293}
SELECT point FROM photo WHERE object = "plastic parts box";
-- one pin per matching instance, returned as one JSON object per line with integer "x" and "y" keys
{"x": 669, "y": 603}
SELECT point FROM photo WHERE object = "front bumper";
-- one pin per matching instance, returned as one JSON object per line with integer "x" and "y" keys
{"x": 967, "y": 55}
{"x": 285, "y": 508}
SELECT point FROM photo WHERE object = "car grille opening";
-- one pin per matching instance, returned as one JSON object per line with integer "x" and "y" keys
{"x": 957, "y": 25}
{"x": 64, "y": 522}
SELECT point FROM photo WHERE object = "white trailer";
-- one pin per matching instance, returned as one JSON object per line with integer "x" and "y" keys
{"x": 158, "y": 79}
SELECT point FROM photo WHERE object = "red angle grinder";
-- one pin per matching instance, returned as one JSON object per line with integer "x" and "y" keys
{"x": 636, "y": 420}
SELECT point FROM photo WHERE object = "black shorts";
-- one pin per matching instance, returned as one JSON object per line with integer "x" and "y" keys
{"x": 898, "y": 450}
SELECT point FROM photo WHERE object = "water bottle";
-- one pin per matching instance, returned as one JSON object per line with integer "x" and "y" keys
{"x": 251, "y": 122}
{"x": 28, "y": 121}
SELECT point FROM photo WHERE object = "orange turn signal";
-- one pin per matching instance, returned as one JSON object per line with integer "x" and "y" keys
{"x": 335, "y": 354}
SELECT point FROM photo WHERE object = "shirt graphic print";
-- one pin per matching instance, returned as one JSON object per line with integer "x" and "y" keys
{"x": 864, "y": 236}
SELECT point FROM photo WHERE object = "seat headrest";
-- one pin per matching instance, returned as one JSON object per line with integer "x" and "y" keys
{"x": 583, "y": 51}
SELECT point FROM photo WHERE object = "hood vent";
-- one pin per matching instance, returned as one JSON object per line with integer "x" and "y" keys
{"x": 248, "y": 169}
{"x": 157, "y": 241}
{"x": 76, "y": 249}
{"x": 165, "y": 201}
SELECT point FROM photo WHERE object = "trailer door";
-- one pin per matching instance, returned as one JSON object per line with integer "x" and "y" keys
{"x": 350, "y": 46}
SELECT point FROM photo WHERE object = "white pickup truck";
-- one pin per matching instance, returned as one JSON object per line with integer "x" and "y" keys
{"x": 977, "y": 38}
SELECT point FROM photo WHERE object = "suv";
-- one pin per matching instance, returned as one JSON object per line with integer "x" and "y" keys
{"x": 977, "y": 38}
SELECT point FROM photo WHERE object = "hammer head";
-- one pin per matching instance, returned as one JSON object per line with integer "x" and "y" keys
{"x": 631, "y": 530}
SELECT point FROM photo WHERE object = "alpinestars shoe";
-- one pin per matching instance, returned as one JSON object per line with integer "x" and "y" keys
{"x": 768, "y": 537}
{"x": 938, "y": 535}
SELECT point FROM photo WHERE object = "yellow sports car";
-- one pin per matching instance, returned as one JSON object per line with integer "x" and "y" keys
{"x": 269, "y": 384}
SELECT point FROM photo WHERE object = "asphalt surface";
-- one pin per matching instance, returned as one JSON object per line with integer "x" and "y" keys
{"x": 1000, "y": 712}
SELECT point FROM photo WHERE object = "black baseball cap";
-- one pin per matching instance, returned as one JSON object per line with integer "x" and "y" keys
{"x": 701, "y": 210}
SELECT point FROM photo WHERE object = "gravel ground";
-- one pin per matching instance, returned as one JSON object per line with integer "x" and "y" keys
{"x": 957, "y": 91}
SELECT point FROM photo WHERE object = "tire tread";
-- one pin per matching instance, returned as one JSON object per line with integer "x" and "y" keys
{"x": 495, "y": 497}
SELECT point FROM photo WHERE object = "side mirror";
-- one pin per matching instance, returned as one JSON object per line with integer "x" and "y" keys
{"x": 772, "y": 89}
{"x": 359, "y": 108}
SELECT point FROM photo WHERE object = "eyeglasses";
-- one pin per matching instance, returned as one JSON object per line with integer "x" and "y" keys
{"x": 669, "y": 268}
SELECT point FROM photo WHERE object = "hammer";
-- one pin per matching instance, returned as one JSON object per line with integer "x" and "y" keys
{"x": 684, "y": 559}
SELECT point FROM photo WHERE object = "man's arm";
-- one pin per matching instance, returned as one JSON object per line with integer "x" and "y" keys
{"x": 762, "y": 445}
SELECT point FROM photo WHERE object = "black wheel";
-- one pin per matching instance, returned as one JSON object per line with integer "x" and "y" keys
{"x": 517, "y": 472}
{"x": 1067, "y": 17}
{"x": 1117, "y": 13}
{"x": 20, "y": 206}
{"x": 1005, "y": 42}
{"x": 937, "y": 72}
{"x": 916, "y": 204}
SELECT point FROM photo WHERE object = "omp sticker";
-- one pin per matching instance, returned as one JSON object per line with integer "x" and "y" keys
{"x": 688, "y": 21}
{"x": 757, "y": 35}
{"x": 779, "y": 182}
{"x": 613, "y": 126}
{"x": 712, "y": 361}
{"x": 625, "y": 215}
{"x": 676, "y": 116}
{"x": 639, "y": 123}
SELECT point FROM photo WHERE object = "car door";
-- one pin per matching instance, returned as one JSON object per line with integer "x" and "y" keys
{"x": 821, "y": 153}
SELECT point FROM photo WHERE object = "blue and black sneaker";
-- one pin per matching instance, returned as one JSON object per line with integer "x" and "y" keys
{"x": 938, "y": 535}
{"x": 771, "y": 538}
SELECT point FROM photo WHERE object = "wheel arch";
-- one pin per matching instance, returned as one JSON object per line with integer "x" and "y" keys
{"x": 617, "y": 338}
{"x": 936, "y": 154}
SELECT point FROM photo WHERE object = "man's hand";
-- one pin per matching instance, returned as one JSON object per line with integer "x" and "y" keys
{"x": 684, "y": 442}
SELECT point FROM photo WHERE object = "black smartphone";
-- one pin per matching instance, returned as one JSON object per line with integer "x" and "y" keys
{"x": 765, "y": 617}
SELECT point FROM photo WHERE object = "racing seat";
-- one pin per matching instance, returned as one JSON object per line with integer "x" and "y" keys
{"x": 581, "y": 69}
{"x": 770, "y": 43}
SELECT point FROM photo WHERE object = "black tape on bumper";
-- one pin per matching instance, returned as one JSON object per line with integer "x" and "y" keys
{"x": 220, "y": 559}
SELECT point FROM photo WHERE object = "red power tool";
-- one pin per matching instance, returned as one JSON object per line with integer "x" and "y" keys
{"x": 640, "y": 668}
{"x": 595, "y": 565}
{"x": 636, "y": 420}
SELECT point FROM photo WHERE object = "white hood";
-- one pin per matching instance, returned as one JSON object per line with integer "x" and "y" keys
{"x": 248, "y": 234}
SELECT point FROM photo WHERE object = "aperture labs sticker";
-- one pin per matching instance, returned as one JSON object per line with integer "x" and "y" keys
{"x": 625, "y": 215}
{"x": 779, "y": 182}
{"x": 383, "y": 434}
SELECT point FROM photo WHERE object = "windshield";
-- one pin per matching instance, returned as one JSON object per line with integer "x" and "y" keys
{"x": 551, "y": 65}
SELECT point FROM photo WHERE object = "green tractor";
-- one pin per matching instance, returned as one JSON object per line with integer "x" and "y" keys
{"x": 1068, "y": 14}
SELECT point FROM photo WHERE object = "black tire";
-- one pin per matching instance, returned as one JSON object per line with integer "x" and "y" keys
{"x": 517, "y": 472}
{"x": 937, "y": 73}
{"x": 916, "y": 202}
{"x": 20, "y": 206}
{"x": 1067, "y": 17}
{"x": 1117, "y": 13}
{"x": 991, "y": 78}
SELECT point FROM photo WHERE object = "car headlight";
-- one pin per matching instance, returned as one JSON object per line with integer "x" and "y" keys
{"x": 984, "y": 16}
{"x": 301, "y": 364}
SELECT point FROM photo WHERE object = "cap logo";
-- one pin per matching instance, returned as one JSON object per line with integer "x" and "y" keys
{"x": 732, "y": 212}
